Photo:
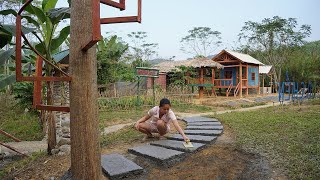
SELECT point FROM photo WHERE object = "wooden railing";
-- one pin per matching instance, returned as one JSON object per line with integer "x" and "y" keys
{"x": 223, "y": 82}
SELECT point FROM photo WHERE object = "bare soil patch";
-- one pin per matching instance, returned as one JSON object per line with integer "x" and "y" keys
{"x": 222, "y": 160}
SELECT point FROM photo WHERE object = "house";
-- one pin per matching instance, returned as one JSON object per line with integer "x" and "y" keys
{"x": 265, "y": 72}
{"x": 229, "y": 72}
{"x": 240, "y": 73}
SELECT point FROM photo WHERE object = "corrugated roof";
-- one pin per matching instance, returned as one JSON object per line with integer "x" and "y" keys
{"x": 264, "y": 69}
{"x": 244, "y": 57}
{"x": 62, "y": 55}
{"x": 196, "y": 63}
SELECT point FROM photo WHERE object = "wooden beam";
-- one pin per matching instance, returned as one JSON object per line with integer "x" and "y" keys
{"x": 119, "y": 20}
{"x": 84, "y": 124}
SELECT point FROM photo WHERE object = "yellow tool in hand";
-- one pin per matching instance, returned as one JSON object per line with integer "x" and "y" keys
{"x": 188, "y": 144}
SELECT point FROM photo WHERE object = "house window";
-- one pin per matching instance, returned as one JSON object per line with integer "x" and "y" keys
{"x": 228, "y": 74}
{"x": 253, "y": 76}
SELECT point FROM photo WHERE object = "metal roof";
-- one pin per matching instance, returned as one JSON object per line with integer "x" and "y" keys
{"x": 264, "y": 69}
{"x": 62, "y": 57}
{"x": 244, "y": 57}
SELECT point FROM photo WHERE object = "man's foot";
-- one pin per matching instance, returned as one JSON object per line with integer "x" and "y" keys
{"x": 146, "y": 137}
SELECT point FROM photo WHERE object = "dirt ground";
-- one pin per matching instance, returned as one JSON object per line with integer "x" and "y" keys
{"x": 221, "y": 160}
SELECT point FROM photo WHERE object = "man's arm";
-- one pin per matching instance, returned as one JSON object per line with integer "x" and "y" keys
{"x": 143, "y": 119}
{"x": 178, "y": 128}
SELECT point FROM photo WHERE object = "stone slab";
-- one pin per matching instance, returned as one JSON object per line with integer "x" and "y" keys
{"x": 177, "y": 145}
{"x": 204, "y": 124}
{"x": 204, "y": 128}
{"x": 194, "y": 138}
{"x": 161, "y": 156}
{"x": 203, "y": 132}
{"x": 116, "y": 166}
{"x": 199, "y": 119}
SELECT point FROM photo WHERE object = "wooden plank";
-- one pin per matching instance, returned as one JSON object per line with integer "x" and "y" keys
{"x": 119, "y": 20}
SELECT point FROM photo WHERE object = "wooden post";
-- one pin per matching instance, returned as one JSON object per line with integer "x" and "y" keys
{"x": 262, "y": 84}
{"x": 240, "y": 77}
{"x": 84, "y": 127}
{"x": 212, "y": 79}
{"x": 201, "y": 82}
{"x": 271, "y": 84}
{"x": 247, "y": 82}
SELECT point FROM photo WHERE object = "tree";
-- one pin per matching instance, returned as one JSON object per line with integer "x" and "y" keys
{"x": 111, "y": 66}
{"x": 200, "y": 41}
{"x": 140, "y": 50}
{"x": 273, "y": 39}
{"x": 45, "y": 21}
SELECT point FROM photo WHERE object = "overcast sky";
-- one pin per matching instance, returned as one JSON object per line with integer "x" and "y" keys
{"x": 167, "y": 21}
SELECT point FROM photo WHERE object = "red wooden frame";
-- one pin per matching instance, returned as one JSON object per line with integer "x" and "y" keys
{"x": 96, "y": 21}
{"x": 96, "y": 36}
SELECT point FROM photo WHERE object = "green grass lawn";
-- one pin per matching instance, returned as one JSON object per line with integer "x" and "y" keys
{"x": 289, "y": 137}
{"x": 14, "y": 120}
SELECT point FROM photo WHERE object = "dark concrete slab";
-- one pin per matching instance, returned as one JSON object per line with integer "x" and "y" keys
{"x": 178, "y": 145}
{"x": 204, "y": 124}
{"x": 194, "y": 138}
{"x": 199, "y": 119}
{"x": 203, "y": 132}
{"x": 204, "y": 128}
{"x": 116, "y": 166}
{"x": 161, "y": 156}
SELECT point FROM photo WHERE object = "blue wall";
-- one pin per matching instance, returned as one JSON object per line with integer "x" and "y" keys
{"x": 256, "y": 71}
{"x": 234, "y": 76}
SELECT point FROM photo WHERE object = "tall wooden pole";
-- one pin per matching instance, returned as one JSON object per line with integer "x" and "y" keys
{"x": 85, "y": 148}
{"x": 240, "y": 78}
{"x": 247, "y": 81}
{"x": 201, "y": 84}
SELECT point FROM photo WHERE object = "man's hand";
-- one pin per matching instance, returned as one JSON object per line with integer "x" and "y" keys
{"x": 137, "y": 125}
{"x": 186, "y": 139}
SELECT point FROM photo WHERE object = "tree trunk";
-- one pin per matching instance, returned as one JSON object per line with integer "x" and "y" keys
{"x": 52, "y": 141}
{"x": 84, "y": 127}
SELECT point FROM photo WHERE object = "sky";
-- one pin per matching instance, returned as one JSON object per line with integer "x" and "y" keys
{"x": 167, "y": 21}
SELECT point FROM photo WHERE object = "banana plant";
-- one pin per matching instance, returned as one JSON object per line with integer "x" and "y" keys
{"x": 43, "y": 22}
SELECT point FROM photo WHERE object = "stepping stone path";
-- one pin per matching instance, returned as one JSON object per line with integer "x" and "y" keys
{"x": 117, "y": 166}
{"x": 200, "y": 130}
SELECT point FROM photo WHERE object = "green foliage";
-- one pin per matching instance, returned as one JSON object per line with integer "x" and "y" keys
{"x": 200, "y": 41}
{"x": 124, "y": 103}
{"x": 288, "y": 137}
{"x": 180, "y": 75}
{"x": 5, "y": 80}
{"x": 16, "y": 121}
{"x": 23, "y": 92}
{"x": 272, "y": 40}
{"x": 304, "y": 63}
{"x": 111, "y": 66}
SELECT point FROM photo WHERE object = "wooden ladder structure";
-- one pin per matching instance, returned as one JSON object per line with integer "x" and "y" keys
{"x": 236, "y": 90}
{"x": 229, "y": 89}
